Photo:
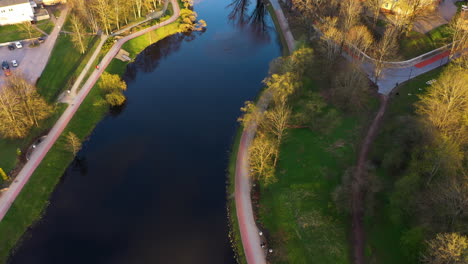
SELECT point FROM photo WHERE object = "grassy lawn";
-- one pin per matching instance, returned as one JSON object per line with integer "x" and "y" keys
{"x": 16, "y": 32}
{"x": 298, "y": 211}
{"x": 29, "y": 205}
{"x": 417, "y": 44}
{"x": 46, "y": 25}
{"x": 65, "y": 64}
{"x": 384, "y": 241}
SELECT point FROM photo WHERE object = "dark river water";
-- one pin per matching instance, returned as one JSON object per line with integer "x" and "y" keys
{"x": 150, "y": 186}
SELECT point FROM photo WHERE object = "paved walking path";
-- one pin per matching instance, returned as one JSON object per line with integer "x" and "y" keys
{"x": 248, "y": 228}
{"x": 8, "y": 197}
{"x": 68, "y": 97}
{"x": 283, "y": 23}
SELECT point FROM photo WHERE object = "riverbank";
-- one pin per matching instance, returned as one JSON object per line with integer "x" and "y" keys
{"x": 33, "y": 199}
{"x": 235, "y": 233}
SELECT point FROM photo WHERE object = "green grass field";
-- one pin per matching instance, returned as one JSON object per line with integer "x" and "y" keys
{"x": 417, "y": 44}
{"x": 64, "y": 66}
{"x": 298, "y": 211}
{"x": 16, "y": 32}
{"x": 384, "y": 241}
{"x": 46, "y": 25}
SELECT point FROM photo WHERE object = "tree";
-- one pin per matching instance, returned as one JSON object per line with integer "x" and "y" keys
{"x": 331, "y": 37}
{"x": 115, "y": 98}
{"x": 282, "y": 86}
{"x": 446, "y": 248}
{"x": 4, "y": 175}
{"x": 103, "y": 8}
{"x": 261, "y": 154}
{"x": 350, "y": 11}
{"x": 33, "y": 106}
{"x": 73, "y": 143}
{"x": 384, "y": 49}
{"x": 350, "y": 89}
{"x": 188, "y": 20}
{"x": 374, "y": 7}
{"x": 187, "y": 3}
{"x": 21, "y": 107}
{"x": 276, "y": 122}
{"x": 79, "y": 33}
{"x": 409, "y": 11}
{"x": 445, "y": 105}
{"x": 113, "y": 86}
{"x": 360, "y": 38}
{"x": 250, "y": 114}
{"x": 459, "y": 28}
{"x": 28, "y": 27}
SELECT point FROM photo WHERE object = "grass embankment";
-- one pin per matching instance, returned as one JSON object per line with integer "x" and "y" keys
{"x": 416, "y": 43}
{"x": 46, "y": 25}
{"x": 390, "y": 241}
{"x": 33, "y": 199}
{"x": 298, "y": 211}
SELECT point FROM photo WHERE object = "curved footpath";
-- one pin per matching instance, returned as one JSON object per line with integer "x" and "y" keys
{"x": 248, "y": 229}
{"x": 8, "y": 197}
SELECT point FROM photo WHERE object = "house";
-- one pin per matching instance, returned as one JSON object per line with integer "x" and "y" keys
{"x": 399, "y": 7}
{"x": 15, "y": 11}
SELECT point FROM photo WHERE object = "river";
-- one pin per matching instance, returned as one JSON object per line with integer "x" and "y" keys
{"x": 149, "y": 186}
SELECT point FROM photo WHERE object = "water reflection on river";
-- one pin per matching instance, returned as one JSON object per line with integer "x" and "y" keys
{"x": 149, "y": 185}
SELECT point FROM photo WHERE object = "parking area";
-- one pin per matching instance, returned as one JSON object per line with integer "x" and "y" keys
{"x": 16, "y": 54}
{"x": 31, "y": 60}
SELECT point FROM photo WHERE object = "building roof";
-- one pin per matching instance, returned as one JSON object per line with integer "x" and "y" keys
{"x": 12, "y": 2}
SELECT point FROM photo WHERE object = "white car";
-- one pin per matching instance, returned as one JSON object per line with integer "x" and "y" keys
{"x": 14, "y": 63}
{"x": 18, "y": 45}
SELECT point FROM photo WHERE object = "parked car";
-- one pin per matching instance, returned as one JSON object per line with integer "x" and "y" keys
{"x": 11, "y": 47}
{"x": 6, "y": 68}
{"x": 5, "y": 65}
{"x": 18, "y": 45}
{"x": 14, "y": 63}
{"x": 41, "y": 39}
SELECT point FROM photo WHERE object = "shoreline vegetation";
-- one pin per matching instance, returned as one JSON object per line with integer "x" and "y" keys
{"x": 32, "y": 202}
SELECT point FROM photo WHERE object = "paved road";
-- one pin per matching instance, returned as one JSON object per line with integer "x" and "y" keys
{"x": 34, "y": 60}
{"x": 9, "y": 196}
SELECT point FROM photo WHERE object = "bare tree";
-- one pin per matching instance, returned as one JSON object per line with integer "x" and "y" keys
{"x": 350, "y": 11}
{"x": 73, "y": 143}
{"x": 28, "y": 27}
{"x": 261, "y": 155}
{"x": 374, "y": 7}
{"x": 385, "y": 48}
{"x": 459, "y": 28}
{"x": 350, "y": 88}
{"x": 79, "y": 33}
{"x": 276, "y": 122}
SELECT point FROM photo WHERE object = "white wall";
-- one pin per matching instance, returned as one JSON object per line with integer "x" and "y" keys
{"x": 16, "y": 14}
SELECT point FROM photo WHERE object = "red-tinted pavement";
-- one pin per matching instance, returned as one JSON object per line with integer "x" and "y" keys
{"x": 433, "y": 59}
{"x": 8, "y": 197}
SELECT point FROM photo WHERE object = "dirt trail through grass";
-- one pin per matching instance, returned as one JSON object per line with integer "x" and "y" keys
{"x": 358, "y": 186}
